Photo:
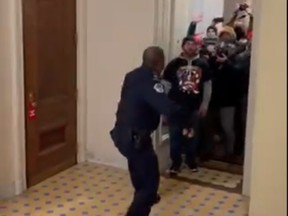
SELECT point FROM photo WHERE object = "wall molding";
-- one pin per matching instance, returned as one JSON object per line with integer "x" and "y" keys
{"x": 82, "y": 79}
{"x": 17, "y": 88}
{"x": 163, "y": 19}
{"x": 7, "y": 191}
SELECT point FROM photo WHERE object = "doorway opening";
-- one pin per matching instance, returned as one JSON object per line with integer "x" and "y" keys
{"x": 50, "y": 86}
{"x": 221, "y": 133}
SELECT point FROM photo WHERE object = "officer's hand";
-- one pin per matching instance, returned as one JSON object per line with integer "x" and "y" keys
{"x": 197, "y": 19}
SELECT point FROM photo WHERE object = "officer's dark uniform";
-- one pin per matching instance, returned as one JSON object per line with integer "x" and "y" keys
{"x": 142, "y": 101}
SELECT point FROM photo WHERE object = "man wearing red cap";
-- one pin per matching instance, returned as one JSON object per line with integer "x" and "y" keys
{"x": 193, "y": 99}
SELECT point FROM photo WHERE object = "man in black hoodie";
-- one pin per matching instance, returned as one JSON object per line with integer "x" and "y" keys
{"x": 242, "y": 65}
{"x": 227, "y": 85}
{"x": 191, "y": 88}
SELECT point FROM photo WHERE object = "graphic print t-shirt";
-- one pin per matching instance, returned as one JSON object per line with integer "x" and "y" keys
{"x": 196, "y": 72}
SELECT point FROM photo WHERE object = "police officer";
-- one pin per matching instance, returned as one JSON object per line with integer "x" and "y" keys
{"x": 143, "y": 99}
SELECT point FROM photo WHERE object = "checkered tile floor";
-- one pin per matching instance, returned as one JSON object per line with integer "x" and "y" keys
{"x": 90, "y": 189}
{"x": 213, "y": 177}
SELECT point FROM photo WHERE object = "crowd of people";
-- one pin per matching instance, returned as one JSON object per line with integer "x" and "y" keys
{"x": 210, "y": 80}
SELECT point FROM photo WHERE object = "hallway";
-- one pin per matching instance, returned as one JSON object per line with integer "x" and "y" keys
{"x": 94, "y": 190}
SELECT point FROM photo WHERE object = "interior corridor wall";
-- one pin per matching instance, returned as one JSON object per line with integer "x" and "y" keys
{"x": 6, "y": 177}
{"x": 209, "y": 10}
{"x": 117, "y": 34}
{"x": 268, "y": 115}
{"x": 11, "y": 124}
{"x": 180, "y": 23}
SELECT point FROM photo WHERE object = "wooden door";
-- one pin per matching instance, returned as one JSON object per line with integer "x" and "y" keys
{"x": 49, "y": 28}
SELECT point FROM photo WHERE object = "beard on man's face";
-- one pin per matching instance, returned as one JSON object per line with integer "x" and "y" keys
{"x": 190, "y": 52}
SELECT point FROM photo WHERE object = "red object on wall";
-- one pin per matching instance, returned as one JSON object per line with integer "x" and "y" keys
{"x": 32, "y": 111}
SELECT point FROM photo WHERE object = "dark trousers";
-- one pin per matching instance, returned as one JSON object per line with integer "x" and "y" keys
{"x": 241, "y": 117}
{"x": 144, "y": 173}
{"x": 178, "y": 143}
{"x": 143, "y": 169}
{"x": 205, "y": 146}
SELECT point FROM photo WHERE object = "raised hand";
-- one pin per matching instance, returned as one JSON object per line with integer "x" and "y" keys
{"x": 198, "y": 18}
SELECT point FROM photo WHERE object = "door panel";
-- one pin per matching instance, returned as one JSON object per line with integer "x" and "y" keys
{"x": 49, "y": 28}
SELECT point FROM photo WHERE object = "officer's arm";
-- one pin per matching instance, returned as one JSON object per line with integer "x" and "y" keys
{"x": 154, "y": 95}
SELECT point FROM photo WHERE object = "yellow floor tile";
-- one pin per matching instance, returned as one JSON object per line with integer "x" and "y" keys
{"x": 94, "y": 190}
{"x": 213, "y": 177}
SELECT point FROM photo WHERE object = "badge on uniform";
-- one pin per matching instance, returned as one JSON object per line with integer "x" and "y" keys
{"x": 159, "y": 88}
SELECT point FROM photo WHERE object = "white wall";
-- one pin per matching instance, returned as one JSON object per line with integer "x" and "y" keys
{"x": 180, "y": 25}
{"x": 209, "y": 9}
{"x": 5, "y": 125}
{"x": 268, "y": 119}
{"x": 11, "y": 106}
{"x": 118, "y": 32}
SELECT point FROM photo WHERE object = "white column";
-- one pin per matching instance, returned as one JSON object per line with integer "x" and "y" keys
{"x": 179, "y": 25}
{"x": 12, "y": 147}
{"x": 267, "y": 124}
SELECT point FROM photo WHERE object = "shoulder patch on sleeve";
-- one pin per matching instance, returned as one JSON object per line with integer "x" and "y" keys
{"x": 158, "y": 87}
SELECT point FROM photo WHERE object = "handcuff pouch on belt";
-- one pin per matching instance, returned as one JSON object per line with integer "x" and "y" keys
{"x": 141, "y": 139}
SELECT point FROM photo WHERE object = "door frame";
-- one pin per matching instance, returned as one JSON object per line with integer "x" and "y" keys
{"x": 19, "y": 157}
{"x": 163, "y": 34}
